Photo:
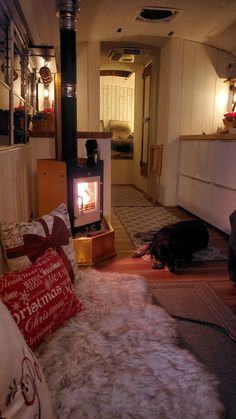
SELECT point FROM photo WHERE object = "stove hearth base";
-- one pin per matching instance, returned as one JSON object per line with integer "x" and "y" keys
{"x": 92, "y": 250}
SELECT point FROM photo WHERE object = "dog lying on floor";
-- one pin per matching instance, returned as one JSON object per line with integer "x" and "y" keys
{"x": 175, "y": 242}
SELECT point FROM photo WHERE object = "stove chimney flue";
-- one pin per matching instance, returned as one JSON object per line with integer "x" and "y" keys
{"x": 67, "y": 11}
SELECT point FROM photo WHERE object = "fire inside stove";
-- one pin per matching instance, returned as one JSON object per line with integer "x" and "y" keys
{"x": 86, "y": 200}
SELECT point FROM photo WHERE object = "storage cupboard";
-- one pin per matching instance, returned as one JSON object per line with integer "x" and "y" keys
{"x": 207, "y": 179}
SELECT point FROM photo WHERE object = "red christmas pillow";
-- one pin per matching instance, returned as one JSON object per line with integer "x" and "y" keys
{"x": 40, "y": 298}
{"x": 23, "y": 243}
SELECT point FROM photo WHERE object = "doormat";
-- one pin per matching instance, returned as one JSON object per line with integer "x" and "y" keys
{"x": 216, "y": 350}
{"x": 128, "y": 196}
{"x": 141, "y": 223}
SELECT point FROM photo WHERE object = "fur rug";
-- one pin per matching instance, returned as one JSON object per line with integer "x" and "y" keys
{"x": 120, "y": 359}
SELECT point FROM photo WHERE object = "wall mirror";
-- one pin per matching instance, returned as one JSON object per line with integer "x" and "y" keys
{"x": 117, "y": 89}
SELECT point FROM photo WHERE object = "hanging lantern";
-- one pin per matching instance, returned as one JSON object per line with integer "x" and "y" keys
{"x": 46, "y": 75}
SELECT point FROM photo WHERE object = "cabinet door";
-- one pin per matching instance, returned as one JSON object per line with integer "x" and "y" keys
{"x": 194, "y": 195}
{"x": 223, "y": 203}
{"x": 188, "y": 157}
{"x": 185, "y": 192}
{"x": 202, "y": 199}
{"x": 223, "y": 184}
{"x": 224, "y": 168}
{"x": 207, "y": 181}
{"x": 195, "y": 159}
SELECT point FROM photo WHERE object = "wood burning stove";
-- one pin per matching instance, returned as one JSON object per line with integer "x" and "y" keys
{"x": 87, "y": 190}
{"x": 76, "y": 181}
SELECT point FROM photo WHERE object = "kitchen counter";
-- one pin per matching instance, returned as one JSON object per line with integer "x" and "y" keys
{"x": 213, "y": 137}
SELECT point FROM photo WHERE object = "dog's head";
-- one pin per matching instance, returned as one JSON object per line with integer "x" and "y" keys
{"x": 164, "y": 251}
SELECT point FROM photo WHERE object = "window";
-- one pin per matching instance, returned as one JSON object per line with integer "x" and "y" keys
{"x": 16, "y": 98}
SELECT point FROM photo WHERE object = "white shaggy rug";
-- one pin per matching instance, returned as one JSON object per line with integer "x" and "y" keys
{"x": 120, "y": 358}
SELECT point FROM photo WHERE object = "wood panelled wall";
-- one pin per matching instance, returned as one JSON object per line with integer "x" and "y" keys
{"x": 15, "y": 188}
{"x": 122, "y": 172}
{"x": 15, "y": 183}
{"x": 193, "y": 99}
{"x": 204, "y": 95}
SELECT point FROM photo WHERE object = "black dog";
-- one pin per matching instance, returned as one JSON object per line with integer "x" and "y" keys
{"x": 175, "y": 242}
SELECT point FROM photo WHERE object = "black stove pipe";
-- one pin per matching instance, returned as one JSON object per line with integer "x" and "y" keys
{"x": 67, "y": 13}
{"x": 67, "y": 10}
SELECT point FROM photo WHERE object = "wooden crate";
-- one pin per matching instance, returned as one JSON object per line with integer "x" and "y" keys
{"x": 91, "y": 250}
{"x": 44, "y": 124}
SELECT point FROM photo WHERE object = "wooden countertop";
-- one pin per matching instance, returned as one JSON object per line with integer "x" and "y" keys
{"x": 80, "y": 134}
{"x": 97, "y": 135}
{"x": 213, "y": 137}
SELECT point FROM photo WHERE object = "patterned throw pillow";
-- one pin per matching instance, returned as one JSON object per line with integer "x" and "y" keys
{"x": 40, "y": 298}
{"x": 23, "y": 243}
{"x": 23, "y": 390}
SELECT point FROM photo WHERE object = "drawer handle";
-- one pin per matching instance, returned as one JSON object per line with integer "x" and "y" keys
{"x": 220, "y": 185}
{"x": 196, "y": 178}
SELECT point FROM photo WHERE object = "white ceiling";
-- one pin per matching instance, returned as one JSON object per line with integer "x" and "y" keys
{"x": 212, "y": 22}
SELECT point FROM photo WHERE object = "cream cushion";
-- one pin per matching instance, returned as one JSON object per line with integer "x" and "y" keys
{"x": 24, "y": 243}
{"x": 23, "y": 390}
{"x": 120, "y": 129}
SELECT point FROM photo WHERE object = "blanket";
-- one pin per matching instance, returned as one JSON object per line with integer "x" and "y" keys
{"x": 120, "y": 358}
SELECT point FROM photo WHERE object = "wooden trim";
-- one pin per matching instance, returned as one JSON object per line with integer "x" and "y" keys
{"x": 156, "y": 159}
{"x": 147, "y": 70}
{"x": 41, "y": 134}
{"x": 195, "y": 178}
{"x": 143, "y": 168}
{"x": 145, "y": 120}
{"x": 117, "y": 73}
{"x": 221, "y": 185}
{"x": 90, "y": 134}
{"x": 214, "y": 137}
{"x": 58, "y": 138}
{"x": 80, "y": 134}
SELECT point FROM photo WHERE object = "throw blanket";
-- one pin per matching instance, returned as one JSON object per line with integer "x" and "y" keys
{"x": 120, "y": 359}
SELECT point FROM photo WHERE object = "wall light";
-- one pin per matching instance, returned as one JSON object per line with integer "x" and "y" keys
{"x": 46, "y": 91}
{"x": 46, "y": 77}
{"x": 232, "y": 87}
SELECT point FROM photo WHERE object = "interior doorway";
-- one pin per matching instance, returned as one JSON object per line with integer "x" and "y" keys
{"x": 117, "y": 93}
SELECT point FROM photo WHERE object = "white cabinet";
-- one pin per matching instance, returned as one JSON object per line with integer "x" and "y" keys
{"x": 207, "y": 180}
{"x": 224, "y": 167}
{"x": 193, "y": 195}
{"x": 195, "y": 159}
{"x": 223, "y": 203}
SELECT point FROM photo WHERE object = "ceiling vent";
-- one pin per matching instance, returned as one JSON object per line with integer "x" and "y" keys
{"x": 157, "y": 14}
{"x": 127, "y": 55}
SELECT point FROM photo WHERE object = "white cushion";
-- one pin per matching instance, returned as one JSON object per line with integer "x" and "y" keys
{"x": 23, "y": 390}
